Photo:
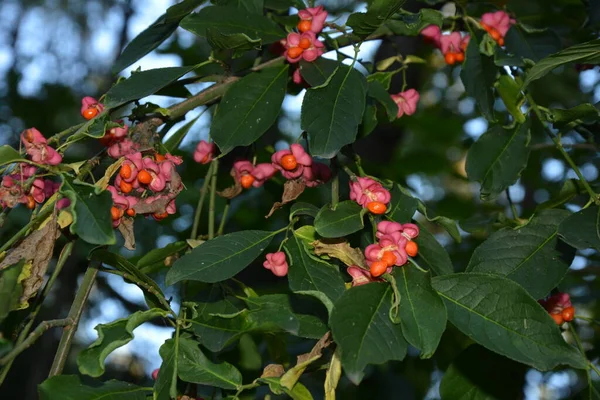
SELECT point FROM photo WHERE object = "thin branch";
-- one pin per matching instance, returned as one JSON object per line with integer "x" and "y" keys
{"x": 37, "y": 332}
{"x": 200, "y": 204}
{"x": 81, "y": 297}
{"x": 211, "y": 205}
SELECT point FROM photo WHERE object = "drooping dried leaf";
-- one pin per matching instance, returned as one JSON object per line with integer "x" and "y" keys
{"x": 126, "y": 229}
{"x": 110, "y": 171}
{"x": 290, "y": 378}
{"x": 340, "y": 249}
{"x": 273, "y": 371}
{"x": 159, "y": 205}
{"x": 231, "y": 191}
{"x": 291, "y": 191}
{"x": 37, "y": 249}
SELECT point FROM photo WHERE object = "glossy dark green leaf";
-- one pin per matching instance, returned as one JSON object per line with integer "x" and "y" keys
{"x": 173, "y": 142}
{"x": 581, "y": 114}
{"x": 478, "y": 75}
{"x": 582, "y": 229}
{"x": 177, "y": 11}
{"x": 238, "y": 42}
{"x": 432, "y": 255}
{"x": 531, "y": 255}
{"x": 497, "y": 159}
{"x": 284, "y": 5}
{"x": 301, "y": 208}
{"x": 221, "y": 258}
{"x": 510, "y": 93}
{"x": 251, "y": 6}
{"x": 122, "y": 264}
{"x": 307, "y": 275}
{"x": 9, "y": 155}
{"x": 588, "y": 52}
{"x": 379, "y": 93}
{"x": 409, "y": 24}
{"x": 272, "y": 312}
{"x": 110, "y": 337}
{"x": 70, "y": 387}
{"x": 402, "y": 207}
{"x": 331, "y": 114}
{"x": 448, "y": 224}
{"x": 10, "y": 288}
{"x": 362, "y": 329}
{"x": 165, "y": 386}
{"x": 531, "y": 45}
{"x": 501, "y": 316}
{"x": 142, "y": 84}
{"x": 422, "y": 329}
{"x": 344, "y": 219}
{"x": 479, "y": 374}
{"x": 156, "y": 256}
{"x": 318, "y": 72}
{"x": 249, "y": 108}
{"x": 363, "y": 24}
{"x": 232, "y": 20}
{"x": 369, "y": 121}
{"x": 193, "y": 366}
{"x": 90, "y": 208}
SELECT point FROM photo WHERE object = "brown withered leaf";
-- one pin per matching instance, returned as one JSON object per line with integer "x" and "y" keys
{"x": 290, "y": 378}
{"x": 291, "y": 191}
{"x": 231, "y": 191}
{"x": 340, "y": 249}
{"x": 273, "y": 371}
{"x": 36, "y": 248}
{"x": 159, "y": 205}
{"x": 126, "y": 229}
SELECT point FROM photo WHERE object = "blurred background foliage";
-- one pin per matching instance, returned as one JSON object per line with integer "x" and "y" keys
{"x": 54, "y": 52}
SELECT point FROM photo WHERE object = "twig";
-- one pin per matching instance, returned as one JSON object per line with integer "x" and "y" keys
{"x": 513, "y": 209}
{"x": 75, "y": 315}
{"x": 223, "y": 218}
{"x": 37, "y": 332}
{"x": 335, "y": 183}
{"x": 198, "y": 212}
{"x": 211, "y": 206}
{"x": 38, "y": 218}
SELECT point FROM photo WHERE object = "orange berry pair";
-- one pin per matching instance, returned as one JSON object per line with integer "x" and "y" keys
{"x": 376, "y": 207}
{"x": 116, "y": 213}
{"x": 160, "y": 216}
{"x": 494, "y": 34}
{"x": 304, "y": 26}
{"x": 378, "y": 268}
{"x": 295, "y": 52}
{"x": 567, "y": 315}
{"x": 453, "y": 58}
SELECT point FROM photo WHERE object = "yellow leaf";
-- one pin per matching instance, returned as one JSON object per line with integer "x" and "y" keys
{"x": 75, "y": 166}
{"x": 110, "y": 171}
{"x": 65, "y": 219}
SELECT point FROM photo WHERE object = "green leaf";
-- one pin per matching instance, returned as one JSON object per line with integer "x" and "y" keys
{"x": 165, "y": 386}
{"x": 448, "y": 224}
{"x": 221, "y": 258}
{"x": 9, "y": 155}
{"x": 478, "y": 75}
{"x": 402, "y": 207}
{"x": 532, "y": 46}
{"x": 344, "y": 219}
{"x": 10, "y": 288}
{"x": 194, "y": 367}
{"x": 238, "y": 42}
{"x": 581, "y": 114}
{"x": 530, "y": 255}
{"x": 177, "y": 11}
{"x": 70, "y": 387}
{"x": 331, "y": 114}
{"x": 272, "y": 312}
{"x": 110, "y": 337}
{"x": 497, "y": 159}
{"x": 298, "y": 392}
{"x": 369, "y": 121}
{"x": 142, "y": 84}
{"x": 501, "y": 316}
{"x": 588, "y": 52}
{"x": 362, "y": 328}
{"x": 582, "y": 229}
{"x": 173, "y": 142}
{"x": 249, "y": 108}
{"x": 231, "y": 20}
{"x": 318, "y": 72}
{"x": 422, "y": 329}
{"x": 363, "y": 24}
{"x": 479, "y": 374}
{"x": 158, "y": 255}
{"x": 379, "y": 93}
{"x": 284, "y": 5}
{"x": 432, "y": 255}
{"x": 409, "y": 24}
{"x": 251, "y": 6}
{"x": 308, "y": 276}
{"x": 301, "y": 208}
{"x": 510, "y": 93}
{"x": 122, "y": 264}
{"x": 90, "y": 208}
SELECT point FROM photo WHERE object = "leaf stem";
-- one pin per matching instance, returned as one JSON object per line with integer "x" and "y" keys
{"x": 413, "y": 262}
{"x": 394, "y": 308}
{"x": 561, "y": 149}
{"x": 335, "y": 183}
{"x": 203, "y": 190}
{"x": 223, "y": 219}
{"x": 60, "y": 135}
{"x": 75, "y": 313}
{"x": 211, "y": 205}
{"x": 513, "y": 209}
